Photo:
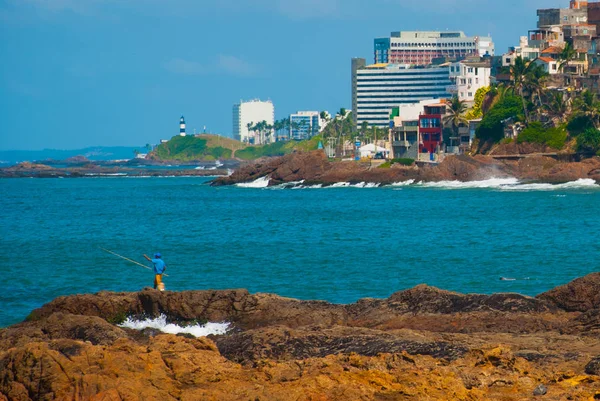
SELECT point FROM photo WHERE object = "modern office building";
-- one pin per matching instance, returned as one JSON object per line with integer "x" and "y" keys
{"x": 252, "y": 113}
{"x": 379, "y": 87}
{"x": 422, "y": 47}
{"x": 304, "y": 125}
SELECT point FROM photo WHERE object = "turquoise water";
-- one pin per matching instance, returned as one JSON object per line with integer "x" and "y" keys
{"x": 334, "y": 244}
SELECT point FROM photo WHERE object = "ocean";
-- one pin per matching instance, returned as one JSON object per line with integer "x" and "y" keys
{"x": 337, "y": 244}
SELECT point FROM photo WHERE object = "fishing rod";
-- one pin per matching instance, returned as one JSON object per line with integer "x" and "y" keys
{"x": 130, "y": 260}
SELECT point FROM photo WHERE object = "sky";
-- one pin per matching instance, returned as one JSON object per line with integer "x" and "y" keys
{"x": 79, "y": 73}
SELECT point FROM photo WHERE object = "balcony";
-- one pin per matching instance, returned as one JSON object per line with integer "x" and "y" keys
{"x": 452, "y": 89}
{"x": 405, "y": 144}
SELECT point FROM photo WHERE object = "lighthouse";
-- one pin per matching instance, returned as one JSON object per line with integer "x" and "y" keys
{"x": 182, "y": 126}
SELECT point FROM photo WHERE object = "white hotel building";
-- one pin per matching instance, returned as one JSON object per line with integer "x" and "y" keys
{"x": 253, "y": 111}
{"x": 422, "y": 47}
{"x": 379, "y": 87}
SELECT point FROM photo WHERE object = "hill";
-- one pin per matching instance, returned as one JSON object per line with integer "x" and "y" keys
{"x": 209, "y": 147}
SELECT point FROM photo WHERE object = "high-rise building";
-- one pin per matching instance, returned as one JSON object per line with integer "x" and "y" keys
{"x": 248, "y": 114}
{"x": 379, "y": 87}
{"x": 422, "y": 47}
{"x": 304, "y": 125}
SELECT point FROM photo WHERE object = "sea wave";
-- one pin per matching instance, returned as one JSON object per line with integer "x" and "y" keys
{"x": 160, "y": 323}
{"x": 402, "y": 183}
{"x": 582, "y": 183}
{"x": 502, "y": 184}
{"x": 489, "y": 183}
{"x": 261, "y": 182}
{"x": 510, "y": 184}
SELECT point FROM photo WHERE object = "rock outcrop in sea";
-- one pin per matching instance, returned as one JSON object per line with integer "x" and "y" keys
{"x": 314, "y": 168}
{"x": 419, "y": 344}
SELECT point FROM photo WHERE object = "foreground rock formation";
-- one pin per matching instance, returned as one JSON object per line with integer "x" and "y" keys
{"x": 418, "y": 344}
{"x": 314, "y": 168}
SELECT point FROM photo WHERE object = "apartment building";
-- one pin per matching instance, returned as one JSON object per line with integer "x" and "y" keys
{"x": 304, "y": 125}
{"x": 468, "y": 76}
{"x": 252, "y": 112}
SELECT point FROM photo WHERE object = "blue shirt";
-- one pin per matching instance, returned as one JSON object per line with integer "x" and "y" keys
{"x": 159, "y": 266}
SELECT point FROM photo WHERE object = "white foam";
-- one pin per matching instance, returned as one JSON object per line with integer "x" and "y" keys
{"x": 160, "y": 323}
{"x": 489, "y": 183}
{"x": 261, "y": 182}
{"x": 339, "y": 185}
{"x": 582, "y": 183}
{"x": 402, "y": 183}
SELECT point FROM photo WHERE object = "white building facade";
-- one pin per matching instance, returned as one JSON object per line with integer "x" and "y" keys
{"x": 253, "y": 112}
{"x": 305, "y": 125}
{"x": 469, "y": 76}
{"x": 524, "y": 50}
{"x": 380, "y": 87}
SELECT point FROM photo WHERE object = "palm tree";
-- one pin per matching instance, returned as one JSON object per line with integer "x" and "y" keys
{"x": 566, "y": 55}
{"x": 587, "y": 104}
{"x": 250, "y": 127}
{"x": 535, "y": 84}
{"x": 364, "y": 127}
{"x": 519, "y": 72}
{"x": 455, "y": 110}
{"x": 557, "y": 105}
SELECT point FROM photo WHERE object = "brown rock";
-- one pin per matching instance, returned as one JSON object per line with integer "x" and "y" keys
{"x": 421, "y": 343}
{"x": 581, "y": 294}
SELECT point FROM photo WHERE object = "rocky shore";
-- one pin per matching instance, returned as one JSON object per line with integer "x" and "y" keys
{"x": 419, "y": 344}
{"x": 314, "y": 168}
{"x": 37, "y": 170}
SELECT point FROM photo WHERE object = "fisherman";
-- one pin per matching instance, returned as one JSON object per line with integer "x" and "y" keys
{"x": 159, "y": 269}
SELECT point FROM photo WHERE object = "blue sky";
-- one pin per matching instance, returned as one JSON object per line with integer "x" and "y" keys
{"x": 77, "y": 73}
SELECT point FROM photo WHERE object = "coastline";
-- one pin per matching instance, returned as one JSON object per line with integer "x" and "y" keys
{"x": 55, "y": 170}
{"x": 420, "y": 342}
{"x": 313, "y": 168}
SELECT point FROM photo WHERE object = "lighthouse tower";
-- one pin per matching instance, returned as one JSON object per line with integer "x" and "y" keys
{"x": 182, "y": 126}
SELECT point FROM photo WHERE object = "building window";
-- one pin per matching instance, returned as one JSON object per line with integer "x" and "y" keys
{"x": 470, "y": 94}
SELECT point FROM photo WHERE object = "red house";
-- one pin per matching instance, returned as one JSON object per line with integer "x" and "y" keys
{"x": 431, "y": 126}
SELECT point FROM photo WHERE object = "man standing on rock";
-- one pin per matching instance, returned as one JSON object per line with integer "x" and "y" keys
{"x": 159, "y": 269}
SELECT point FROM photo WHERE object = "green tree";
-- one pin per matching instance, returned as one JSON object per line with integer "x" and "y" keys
{"x": 587, "y": 104}
{"x": 455, "y": 110}
{"x": 566, "y": 55}
{"x": 554, "y": 137}
{"x": 557, "y": 105}
{"x": 518, "y": 73}
{"x": 589, "y": 141}
{"x": 578, "y": 123}
{"x": 250, "y": 127}
{"x": 535, "y": 85}
{"x": 491, "y": 128}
